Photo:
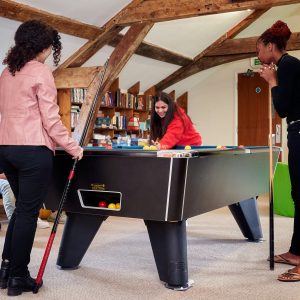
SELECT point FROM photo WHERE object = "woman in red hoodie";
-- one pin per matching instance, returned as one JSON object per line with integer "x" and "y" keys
{"x": 170, "y": 126}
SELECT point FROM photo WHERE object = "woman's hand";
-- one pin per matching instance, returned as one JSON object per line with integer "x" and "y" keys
{"x": 269, "y": 74}
{"x": 80, "y": 155}
{"x": 156, "y": 144}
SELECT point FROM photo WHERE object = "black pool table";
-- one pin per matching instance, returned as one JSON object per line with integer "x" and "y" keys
{"x": 164, "y": 191}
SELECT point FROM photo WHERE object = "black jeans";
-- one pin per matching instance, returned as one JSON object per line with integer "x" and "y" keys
{"x": 28, "y": 170}
{"x": 294, "y": 169}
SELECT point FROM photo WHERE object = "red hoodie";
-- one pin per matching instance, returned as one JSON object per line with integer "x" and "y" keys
{"x": 180, "y": 132}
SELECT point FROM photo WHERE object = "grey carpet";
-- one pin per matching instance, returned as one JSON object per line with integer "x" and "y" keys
{"x": 120, "y": 264}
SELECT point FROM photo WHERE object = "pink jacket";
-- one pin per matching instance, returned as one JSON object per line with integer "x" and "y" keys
{"x": 29, "y": 110}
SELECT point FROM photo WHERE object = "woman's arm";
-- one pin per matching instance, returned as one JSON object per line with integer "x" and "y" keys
{"x": 46, "y": 93}
{"x": 282, "y": 94}
{"x": 173, "y": 134}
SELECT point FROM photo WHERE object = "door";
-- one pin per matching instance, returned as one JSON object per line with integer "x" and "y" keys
{"x": 253, "y": 122}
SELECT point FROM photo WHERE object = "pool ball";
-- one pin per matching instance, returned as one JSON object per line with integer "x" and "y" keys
{"x": 146, "y": 147}
{"x": 111, "y": 205}
{"x": 152, "y": 147}
{"x": 117, "y": 205}
{"x": 187, "y": 147}
{"x": 102, "y": 204}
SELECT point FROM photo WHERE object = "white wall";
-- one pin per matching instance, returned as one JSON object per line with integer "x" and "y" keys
{"x": 212, "y": 104}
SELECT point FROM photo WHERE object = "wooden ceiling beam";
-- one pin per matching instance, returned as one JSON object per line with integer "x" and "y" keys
{"x": 248, "y": 45}
{"x": 185, "y": 71}
{"x": 159, "y": 11}
{"x": 210, "y": 62}
{"x": 120, "y": 56}
{"x": 158, "y": 53}
{"x": 89, "y": 49}
{"x": 93, "y": 46}
{"x": 21, "y": 12}
{"x": 76, "y": 77}
{"x": 231, "y": 50}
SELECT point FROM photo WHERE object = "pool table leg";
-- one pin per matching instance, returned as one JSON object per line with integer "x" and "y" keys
{"x": 79, "y": 231}
{"x": 169, "y": 245}
{"x": 247, "y": 217}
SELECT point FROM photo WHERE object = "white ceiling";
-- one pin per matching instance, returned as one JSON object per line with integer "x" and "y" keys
{"x": 185, "y": 36}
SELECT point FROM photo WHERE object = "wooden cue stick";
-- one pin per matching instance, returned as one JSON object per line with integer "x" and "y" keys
{"x": 271, "y": 212}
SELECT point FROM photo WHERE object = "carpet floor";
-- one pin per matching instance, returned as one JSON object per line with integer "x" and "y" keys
{"x": 119, "y": 263}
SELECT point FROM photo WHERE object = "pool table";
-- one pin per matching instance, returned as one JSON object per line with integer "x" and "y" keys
{"x": 164, "y": 191}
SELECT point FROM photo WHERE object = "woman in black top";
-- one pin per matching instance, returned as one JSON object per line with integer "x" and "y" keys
{"x": 285, "y": 89}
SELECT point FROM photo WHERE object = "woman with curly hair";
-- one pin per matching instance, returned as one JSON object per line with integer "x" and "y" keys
{"x": 170, "y": 126}
{"x": 30, "y": 128}
{"x": 284, "y": 84}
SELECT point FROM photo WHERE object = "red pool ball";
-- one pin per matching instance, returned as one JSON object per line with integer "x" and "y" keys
{"x": 102, "y": 204}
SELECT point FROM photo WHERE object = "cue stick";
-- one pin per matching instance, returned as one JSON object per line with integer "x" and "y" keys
{"x": 271, "y": 211}
{"x": 67, "y": 186}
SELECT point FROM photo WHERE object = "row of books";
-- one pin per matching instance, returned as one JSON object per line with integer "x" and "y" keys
{"x": 75, "y": 110}
{"x": 121, "y": 99}
{"x": 78, "y": 95}
{"x": 107, "y": 100}
{"x": 116, "y": 122}
{"x": 128, "y": 100}
{"x": 119, "y": 122}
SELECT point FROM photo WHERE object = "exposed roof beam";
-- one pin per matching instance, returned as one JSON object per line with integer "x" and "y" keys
{"x": 120, "y": 56}
{"x": 158, "y": 11}
{"x": 21, "y": 12}
{"x": 152, "y": 51}
{"x": 185, "y": 71}
{"x": 230, "y": 51}
{"x": 248, "y": 45}
{"x": 89, "y": 49}
{"x": 93, "y": 46}
{"x": 210, "y": 62}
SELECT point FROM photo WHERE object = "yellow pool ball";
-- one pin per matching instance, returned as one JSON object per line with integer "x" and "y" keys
{"x": 117, "y": 205}
{"x": 111, "y": 205}
{"x": 152, "y": 147}
{"x": 146, "y": 147}
{"x": 187, "y": 147}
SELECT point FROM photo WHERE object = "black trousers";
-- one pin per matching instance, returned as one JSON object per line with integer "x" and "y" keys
{"x": 28, "y": 170}
{"x": 294, "y": 169}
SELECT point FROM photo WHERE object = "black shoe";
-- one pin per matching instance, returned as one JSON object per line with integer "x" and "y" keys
{"x": 4, "y": 274}
{"x": 17, "y": 285}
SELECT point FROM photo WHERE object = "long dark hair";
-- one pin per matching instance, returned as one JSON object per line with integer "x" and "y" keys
{"x": 157, "y": 127}
{"x": 278, "y": 34}
{"x": 31, "y": 38}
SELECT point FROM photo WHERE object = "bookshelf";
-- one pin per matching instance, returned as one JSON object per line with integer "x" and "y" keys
{"x": 117, "y": 108}
{"x": 65, "y": 81}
